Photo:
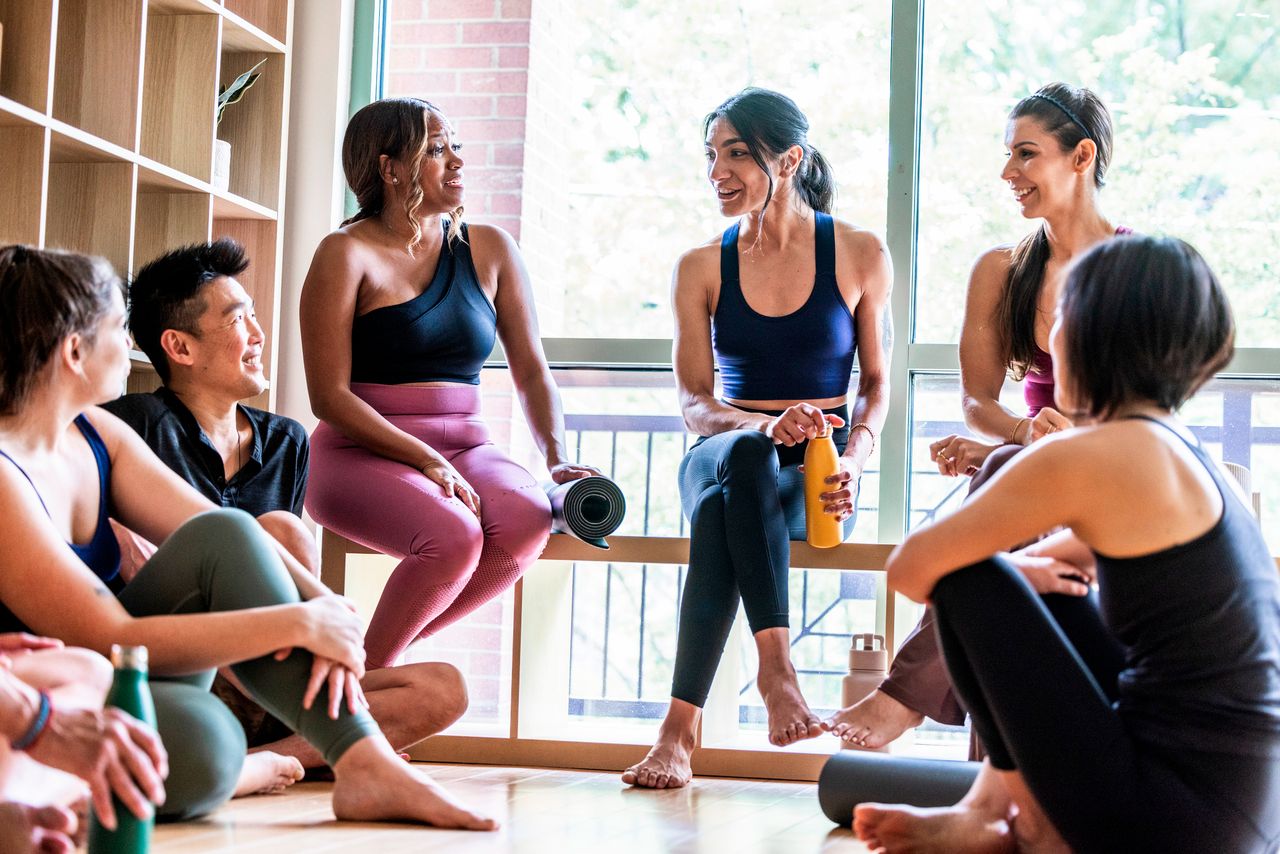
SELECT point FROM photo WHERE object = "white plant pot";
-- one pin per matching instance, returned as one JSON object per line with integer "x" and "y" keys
{"x": 221, "y": 164}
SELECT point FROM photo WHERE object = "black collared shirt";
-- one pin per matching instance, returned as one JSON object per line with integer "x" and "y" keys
{"x": 272, "y": 477}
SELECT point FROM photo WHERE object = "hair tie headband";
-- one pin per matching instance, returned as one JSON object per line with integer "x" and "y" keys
{"x": 1063, "y": 107}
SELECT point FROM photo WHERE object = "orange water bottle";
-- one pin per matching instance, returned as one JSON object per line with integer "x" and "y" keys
{"x": 821, "y": 461}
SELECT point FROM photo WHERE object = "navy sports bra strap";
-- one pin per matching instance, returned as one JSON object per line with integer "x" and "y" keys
{"x": 100, "y": 456}
{"x": 825, "y": 244}
{"x": 1195, "y": 446}
{"x": 23, "y": 472}
{"x": 729, "y": 256}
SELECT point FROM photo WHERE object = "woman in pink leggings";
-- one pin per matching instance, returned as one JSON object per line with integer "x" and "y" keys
{"x": 399, "y": 311}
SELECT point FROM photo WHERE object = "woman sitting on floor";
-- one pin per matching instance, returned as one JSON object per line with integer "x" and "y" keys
{"x": 216, "y": 592}
{"x": 1152, "y": 724}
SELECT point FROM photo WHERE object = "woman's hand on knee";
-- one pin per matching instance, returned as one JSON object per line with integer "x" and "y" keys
{"x": 13, "y": 644}
{"x": 959, "y": 455}
{"x": 111, "y": 751}
{"x": 1049, "y": 420}
{"x": 334, "y": 631}
{"x": 1051, "y": 574}
{"x": 342, "y": 682}
{"x": 799, "y": 423}
{"x": 454, "y": 485}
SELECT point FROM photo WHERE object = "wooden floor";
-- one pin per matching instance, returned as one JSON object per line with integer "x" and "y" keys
{"x": 547, "y": 812}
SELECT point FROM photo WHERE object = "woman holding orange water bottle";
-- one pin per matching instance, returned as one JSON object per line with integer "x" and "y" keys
{"x": 780, "y": 304}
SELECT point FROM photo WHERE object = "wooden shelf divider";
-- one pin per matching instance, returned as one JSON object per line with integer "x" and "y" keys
{"x": 107, "y": 128}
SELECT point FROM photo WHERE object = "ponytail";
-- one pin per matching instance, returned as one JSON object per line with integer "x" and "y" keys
{"x": 1016, "y": 314}
{"x": 815, "y": 182}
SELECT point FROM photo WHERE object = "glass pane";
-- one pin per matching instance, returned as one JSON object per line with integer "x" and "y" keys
{"x": 1193, "y": 89}
{"x": 633, "y": 195}
{"x": 1237, "y": 420}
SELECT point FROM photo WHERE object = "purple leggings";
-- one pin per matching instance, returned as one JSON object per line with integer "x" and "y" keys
{"x": 450, "y": 561}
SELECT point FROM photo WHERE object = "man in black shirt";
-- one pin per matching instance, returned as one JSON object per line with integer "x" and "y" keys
{"x": 197, "y": 325}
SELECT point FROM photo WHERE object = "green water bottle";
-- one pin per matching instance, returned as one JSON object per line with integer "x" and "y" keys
{"x": 129, "y": 693}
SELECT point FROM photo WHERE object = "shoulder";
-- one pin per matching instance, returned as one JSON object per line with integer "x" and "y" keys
{"x": 490, "y": 242}
{"x": 994, "y": 263}
{"x": 138, "y": 410}
{"x": 698, "y": 269}
{"x": 345, "y": 249}
{"x": 279, "y": 431}
{"x": 861, "y": 244}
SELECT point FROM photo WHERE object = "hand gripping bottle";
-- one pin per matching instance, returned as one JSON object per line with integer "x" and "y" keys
{"x": 129, "y": 693}
{"x": 822, "y": 530}
{"x": 868, "y": 664}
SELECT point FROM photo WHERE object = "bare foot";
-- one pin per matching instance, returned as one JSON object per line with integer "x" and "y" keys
{"x": 667, "y": 766}
{"x": 873, "y": 721}
{"x": 24, "y": 828}
{"x": 372, "y": 783}
{"x": 947, "y": 830}
{"x": 790, "y": 719}
{"x": 267, "y": 773}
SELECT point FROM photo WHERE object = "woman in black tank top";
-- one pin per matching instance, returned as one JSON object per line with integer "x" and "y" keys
{"x": 1152, "y": 724}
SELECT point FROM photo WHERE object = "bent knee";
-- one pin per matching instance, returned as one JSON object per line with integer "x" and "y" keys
{"x": 447, "y": 684}
{"x": 290, "y": 531}
{"x": 519, "y": 519}
{"x": 206, "y": 746}
{"x": 748, "y": 448}
{"x": 452, "y": 538}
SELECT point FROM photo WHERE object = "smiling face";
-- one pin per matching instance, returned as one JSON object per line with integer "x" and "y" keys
{"x": 1044, "y": 179}
{"x": 740, "y": 184}
{"x": 225, "y": 352}
{"x": 440, "y": 176}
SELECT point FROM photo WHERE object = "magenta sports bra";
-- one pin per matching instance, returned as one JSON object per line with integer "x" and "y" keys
{"x": 1037, "y": 387}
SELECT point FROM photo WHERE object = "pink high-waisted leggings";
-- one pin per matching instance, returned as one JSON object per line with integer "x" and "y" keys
{"x": 450, "y": 561}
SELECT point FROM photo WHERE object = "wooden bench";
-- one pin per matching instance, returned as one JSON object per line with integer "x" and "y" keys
{"x": 862, "y": 557}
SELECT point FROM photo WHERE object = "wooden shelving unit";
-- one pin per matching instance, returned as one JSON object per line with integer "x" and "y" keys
{"x": 107, "y": 128}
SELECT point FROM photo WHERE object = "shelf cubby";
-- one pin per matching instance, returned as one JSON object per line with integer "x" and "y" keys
{"x": 21, "y": 183}
{"x": 178, "y": 94}
{"x": 90, "y": 209}
{"x": 107, "y": 129}
{"x": 96, "y": 70}
{"x": 24, "y": 60}
{"x": 253, "y": 127}
{"x": 166, "y": 220}
{"x": 269, "y": 16}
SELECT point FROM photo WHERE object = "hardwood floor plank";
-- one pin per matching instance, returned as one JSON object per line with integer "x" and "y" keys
{"x": 542, "y": 812}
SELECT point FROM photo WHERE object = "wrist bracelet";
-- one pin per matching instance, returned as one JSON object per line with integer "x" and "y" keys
{"x": 33, "y": 733}
{"x": 865, "y": 426}
{"x": 1013, "y": 434}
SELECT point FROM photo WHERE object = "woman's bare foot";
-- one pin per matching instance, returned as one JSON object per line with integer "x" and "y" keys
{"x": 24, "y": 828}
{"x": 372, "y": 783}
{"x": 267, "y": 773}
{"x": 948, "y": 830}
{"x": 873, "y": 721}
{"x": 790, "y": 719}
{"x": 667, "y": 766}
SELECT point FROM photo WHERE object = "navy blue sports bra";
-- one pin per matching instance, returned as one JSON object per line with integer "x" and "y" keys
{"x": 102, "y": 553}
{"x": 443, "y": 334}
{"x": 805, "y": 355}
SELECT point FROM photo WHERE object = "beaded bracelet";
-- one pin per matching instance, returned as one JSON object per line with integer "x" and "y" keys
{"x": 43, "y": 715}
{"x": 865, "y": 426}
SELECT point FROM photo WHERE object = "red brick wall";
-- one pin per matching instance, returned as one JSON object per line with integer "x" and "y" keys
{"x": 470, "y": 58}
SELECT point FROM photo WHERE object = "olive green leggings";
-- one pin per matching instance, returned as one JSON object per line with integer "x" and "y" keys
{"x": 223, "y": 561}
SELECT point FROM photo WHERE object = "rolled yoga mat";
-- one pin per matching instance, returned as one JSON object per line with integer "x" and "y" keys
{"x": 850, "y": 778}
{"x": 589, "y": 508}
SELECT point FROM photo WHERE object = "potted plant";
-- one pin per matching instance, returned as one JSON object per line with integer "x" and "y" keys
{"x": 221, "y": 148}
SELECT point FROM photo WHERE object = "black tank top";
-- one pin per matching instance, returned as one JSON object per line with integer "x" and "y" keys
{"x": 1200, "y": 623}
{"x": 444, "y": 334}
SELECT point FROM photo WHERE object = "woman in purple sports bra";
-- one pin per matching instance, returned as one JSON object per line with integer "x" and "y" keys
{"x": 1059, "y": 142}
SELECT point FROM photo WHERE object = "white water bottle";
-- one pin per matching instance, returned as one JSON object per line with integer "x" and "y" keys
{"x": 868, "y": 665}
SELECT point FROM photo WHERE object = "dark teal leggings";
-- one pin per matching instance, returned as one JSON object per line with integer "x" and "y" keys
{"x": 223, "y": 561}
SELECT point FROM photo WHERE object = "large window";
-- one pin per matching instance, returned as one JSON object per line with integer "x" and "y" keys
{"x": 604, "y": 183}
{"x": 1192, "y": 86}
